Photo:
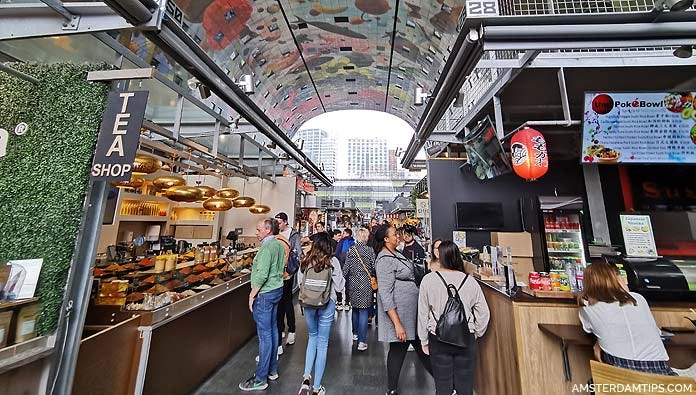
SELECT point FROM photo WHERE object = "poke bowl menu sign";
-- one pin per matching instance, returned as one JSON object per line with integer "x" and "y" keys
{"x": 639, "y": 128}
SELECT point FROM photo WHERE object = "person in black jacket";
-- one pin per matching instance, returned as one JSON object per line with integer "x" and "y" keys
{"x": 412, "y": 250}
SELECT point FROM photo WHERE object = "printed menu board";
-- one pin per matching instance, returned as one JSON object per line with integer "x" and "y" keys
{"x": 639, "y": 128}
{"x": 638, "y": 236}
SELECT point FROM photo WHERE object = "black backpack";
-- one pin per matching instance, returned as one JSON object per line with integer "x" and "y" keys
{"x": 453, "y": 326}
{"x": 293, "y": 264}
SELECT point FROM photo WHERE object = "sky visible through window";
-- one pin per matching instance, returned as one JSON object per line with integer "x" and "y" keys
{"x": 343, "y": 126}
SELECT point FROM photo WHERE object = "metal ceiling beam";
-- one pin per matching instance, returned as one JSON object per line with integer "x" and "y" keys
{"x": 299, "y": 48}
{"x": 391, "y": 56}
{"x": 466, "y": 52}
{"x": 175, "y": 42}
{"x": 28, "y": 20}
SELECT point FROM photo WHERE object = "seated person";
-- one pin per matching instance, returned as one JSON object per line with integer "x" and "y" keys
{"x": 627, "y": 335}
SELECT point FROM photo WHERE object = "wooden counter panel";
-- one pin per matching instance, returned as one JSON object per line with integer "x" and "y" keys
{"x": 107, "y": 361}
{"x": 185, "y": 351}
{"x": 674, "y": 317}
{"x": 497, "y": 351}
{"x": 541, "y": 361}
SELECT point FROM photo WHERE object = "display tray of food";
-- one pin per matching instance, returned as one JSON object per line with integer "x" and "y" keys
{"x": 171, "y": 305}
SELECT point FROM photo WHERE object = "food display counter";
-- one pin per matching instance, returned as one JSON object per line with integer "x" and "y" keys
{"x": 516, "y": 356}
{"x": 197, "y": 327}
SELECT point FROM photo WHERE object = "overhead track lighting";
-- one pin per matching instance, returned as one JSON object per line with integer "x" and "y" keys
{"x": 673, "y": 5}
{"x": 684, "y": 52}
{"x": 420, "y": 96}
{"x": 246, "y": 84}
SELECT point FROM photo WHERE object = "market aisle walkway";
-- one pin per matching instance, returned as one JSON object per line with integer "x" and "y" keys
{"x": 347, "y": 372}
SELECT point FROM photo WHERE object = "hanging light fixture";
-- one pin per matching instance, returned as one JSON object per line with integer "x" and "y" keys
{"x": 243, "y": 201}
{"x": 145, "y": 164}
{"x": 170, "y": 181}
{"x": 206, "y": 191}
{"x": 166, "y": 182}
{"x": 227, "y": 193}
{"x": 133, "y": 183}
{"x": 183, "y": 193}
{"x": 218, "y": 203}
{"x": 260, "y": 208}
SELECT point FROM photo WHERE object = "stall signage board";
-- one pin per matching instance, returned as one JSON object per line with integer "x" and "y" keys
{"x": 422, "y": 208}
{"x": 638, "y": 236}
{"x": 119, "y": 135}
{"x": 653, "y": 127}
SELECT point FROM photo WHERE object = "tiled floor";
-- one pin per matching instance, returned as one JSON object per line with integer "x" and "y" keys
{"x": 347, "y": 371}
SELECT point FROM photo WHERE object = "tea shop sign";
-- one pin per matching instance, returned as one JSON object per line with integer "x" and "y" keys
{"x": 119, "y": 135}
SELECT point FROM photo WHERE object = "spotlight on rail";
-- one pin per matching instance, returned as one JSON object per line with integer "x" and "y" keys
{"x": 246, "y": 83}
{"x": 420, "y": 96}
{"x": 684, "y": 52}
{"x": 673, "y": 5}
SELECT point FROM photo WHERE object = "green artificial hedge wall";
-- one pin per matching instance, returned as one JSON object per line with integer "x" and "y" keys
{"x": 44, "y": 177}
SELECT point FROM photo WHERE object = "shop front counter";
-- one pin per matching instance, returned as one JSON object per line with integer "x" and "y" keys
{"x": 536, "y": 346}
{"x": 171, "y": 350}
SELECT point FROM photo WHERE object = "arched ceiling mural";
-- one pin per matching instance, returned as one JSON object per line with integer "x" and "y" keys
{"x": 310, "y": 57}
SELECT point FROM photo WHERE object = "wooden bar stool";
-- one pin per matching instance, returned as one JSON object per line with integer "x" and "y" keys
{"x": 605, "y": 375}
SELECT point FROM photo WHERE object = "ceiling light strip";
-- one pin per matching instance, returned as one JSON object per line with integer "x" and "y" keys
{"x": 391, "y": 57}
{"x": 299, "y": 48}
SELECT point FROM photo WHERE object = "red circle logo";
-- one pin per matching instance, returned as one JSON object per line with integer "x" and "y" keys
{"x": 602, "y": 104}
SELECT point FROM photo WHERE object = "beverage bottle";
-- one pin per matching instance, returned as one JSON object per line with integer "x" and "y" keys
{"x": 579, "y": 275}
{"x": 572, "y": 275}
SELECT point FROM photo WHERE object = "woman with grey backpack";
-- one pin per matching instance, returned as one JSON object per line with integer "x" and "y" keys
{"x": 452, "y": 315}
{"x": 320, "y": 277}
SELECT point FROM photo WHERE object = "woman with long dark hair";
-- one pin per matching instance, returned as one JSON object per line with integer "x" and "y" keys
{"x": 453, "y": 366}
{"x": 397, "y": 304}
{"x": 319, "y": 320}
{"x": 627, "y": 335}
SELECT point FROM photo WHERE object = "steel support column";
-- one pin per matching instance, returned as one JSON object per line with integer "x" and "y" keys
{"x": 467, "y": 51}
{"x": 595, "y": 201}
{"x": 79, "y": 284}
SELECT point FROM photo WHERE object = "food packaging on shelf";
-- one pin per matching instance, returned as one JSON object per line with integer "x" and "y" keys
{"x": 5, "y": 320}
{"x": 26, "y": 322}
{"x": 160, "y": 263}
{"x": 112, "y": 293}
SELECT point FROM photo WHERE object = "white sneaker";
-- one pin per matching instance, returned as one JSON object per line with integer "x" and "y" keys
{"x": 346, "y": 307}
{"x": 283, "y": 336}
{"x": 339, "y": 307}
{"x": 306, "y": 387}
{"x": 291, "y": 338}
{"x": 355, "y": 338}
{"x": 320, "y": 391}
{"x": 362, "y": 346}
{"x": 280, "y": 352}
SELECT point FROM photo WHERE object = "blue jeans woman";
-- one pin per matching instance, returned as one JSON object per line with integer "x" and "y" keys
{"x": 319, "y": 323}
{"x": 319, "y": 319}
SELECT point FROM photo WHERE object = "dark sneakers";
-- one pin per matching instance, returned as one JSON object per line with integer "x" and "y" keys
{"x": 252, "y": 385}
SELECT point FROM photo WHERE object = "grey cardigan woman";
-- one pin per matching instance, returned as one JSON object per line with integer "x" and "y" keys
{"x": 397, "y": 304}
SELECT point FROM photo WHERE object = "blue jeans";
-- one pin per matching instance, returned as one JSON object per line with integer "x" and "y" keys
{"x": 265, "y": 314}
{"x": 359, "y": 320}
{"x": 319, "y": 326}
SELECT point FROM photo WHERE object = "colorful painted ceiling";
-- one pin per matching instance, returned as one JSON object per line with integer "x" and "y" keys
{"x": 308, "y": 57}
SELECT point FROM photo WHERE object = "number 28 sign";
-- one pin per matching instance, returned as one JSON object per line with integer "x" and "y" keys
{"x": 477, "y": 8}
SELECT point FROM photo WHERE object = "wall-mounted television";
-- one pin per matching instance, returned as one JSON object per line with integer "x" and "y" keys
{"x": 484, "y": 151}
{"x": 480, "y": 216}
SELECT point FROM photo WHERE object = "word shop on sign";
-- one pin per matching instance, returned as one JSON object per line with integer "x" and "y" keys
{"x": 119, "y": 135}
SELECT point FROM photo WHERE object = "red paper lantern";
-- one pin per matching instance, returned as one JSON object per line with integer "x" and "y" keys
{"x": 529, "y": 157}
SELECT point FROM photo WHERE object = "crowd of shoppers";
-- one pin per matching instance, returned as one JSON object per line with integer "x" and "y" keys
{"x": 373, "y": 271}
